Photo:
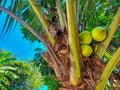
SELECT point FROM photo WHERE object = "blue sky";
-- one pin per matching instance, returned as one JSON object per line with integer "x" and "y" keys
{"x": 15, "y": 43}
{"x": 20, "y": 47}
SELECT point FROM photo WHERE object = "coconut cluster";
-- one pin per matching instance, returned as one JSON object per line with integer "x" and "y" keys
{"x": 97, "y": 34}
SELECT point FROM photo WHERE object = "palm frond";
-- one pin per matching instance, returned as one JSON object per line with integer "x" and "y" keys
{"x": 21, "y": 9}
{"x": 75, "y": 56}
{"x": 9, "y": 74}
{"x": 4, "y": 80}
{"x": 9, "y": 21}
{"x": 108, "y": 70}
{"x": 6, "y": 61}
{"x": 61, "y": 15}
{"x": 2, "y": 3}
{"x": 8, "y": 68}
{"x": 2, "y": 87}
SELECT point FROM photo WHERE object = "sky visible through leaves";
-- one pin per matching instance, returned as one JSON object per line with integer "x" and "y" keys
{"x": 15, "y": 43}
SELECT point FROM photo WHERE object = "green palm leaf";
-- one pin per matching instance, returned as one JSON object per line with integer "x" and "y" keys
{"x": 4, "y": 80}
{"x": 14, "y": 6}
{"x": 8, "y": 68}
{"x": 2, "y": 87}
{"x": 9, "y": 74}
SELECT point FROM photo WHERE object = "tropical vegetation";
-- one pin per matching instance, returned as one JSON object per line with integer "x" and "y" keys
{"x": 16, "y": 74}
{"x": 59, "y": 30}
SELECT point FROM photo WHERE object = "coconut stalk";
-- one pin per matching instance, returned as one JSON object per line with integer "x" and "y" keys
{"x": 111, "y": 31}
{"x": 76, "y": 3}
{"x": 43, "y": 20}
{"x": 61, "y": 15}
{"x": 108, "y": 70}
{"x": 75, "y": 56}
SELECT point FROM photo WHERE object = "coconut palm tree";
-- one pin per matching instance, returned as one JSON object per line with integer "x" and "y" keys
{"x": 17, "y": 74}
{"x": 73, "y": 70}
{"x": 6, "y": 71}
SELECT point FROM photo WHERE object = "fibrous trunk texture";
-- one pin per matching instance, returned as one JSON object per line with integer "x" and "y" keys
{"x": 91, "y": 69}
